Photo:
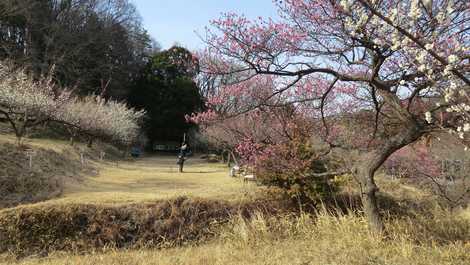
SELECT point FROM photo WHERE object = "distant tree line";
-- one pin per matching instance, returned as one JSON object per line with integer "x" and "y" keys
{"x": 97, "y": 46}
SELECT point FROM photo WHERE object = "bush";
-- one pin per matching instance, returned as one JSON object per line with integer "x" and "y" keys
{"x": 296, "y": 169}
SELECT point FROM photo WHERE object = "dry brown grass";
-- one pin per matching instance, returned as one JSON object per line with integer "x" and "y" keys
{"x": 52, "y": 144}
{"x": 423, "y": 235}
{"x": 323, "y": 239}
{"x": 144, "y": 180}
{"x": 155, "y": 178}
{"x": 42, "y": 229}
{"x": 22, "y": 182}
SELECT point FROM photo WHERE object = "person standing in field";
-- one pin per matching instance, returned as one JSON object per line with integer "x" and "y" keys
{"x": 184, "y": 149}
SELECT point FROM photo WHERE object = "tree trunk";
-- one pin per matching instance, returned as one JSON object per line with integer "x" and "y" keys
{"x": 20, "y": 133}
{"x": 19, "y": 140}
{"x": 224, "y": 160}
{"x": 371, "y": 161}
{"x": 369, "y": 200}
{"x": 229, "y": 159}
{"x": 234, "y": 158}
{"x": 72, "y": 134}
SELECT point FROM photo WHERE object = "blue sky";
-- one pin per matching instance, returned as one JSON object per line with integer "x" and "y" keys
{"x": 176, "y": 21}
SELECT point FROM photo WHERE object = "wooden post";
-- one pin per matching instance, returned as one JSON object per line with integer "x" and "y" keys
{"x": 30, "y": 153}
{"x": 229, "y": 158}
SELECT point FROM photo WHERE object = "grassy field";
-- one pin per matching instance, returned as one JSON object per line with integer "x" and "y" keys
{"x": 145, "y": 179}
{"x": 429, "y": 235}
{"x": 155, "y": 178}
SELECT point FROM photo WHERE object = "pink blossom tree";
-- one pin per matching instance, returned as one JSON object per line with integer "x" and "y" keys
{"x": 390, "y": 71}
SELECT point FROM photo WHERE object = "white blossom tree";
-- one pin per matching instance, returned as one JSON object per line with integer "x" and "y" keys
{"x": 26, "y": 102}
{"x": 96, "y": 117}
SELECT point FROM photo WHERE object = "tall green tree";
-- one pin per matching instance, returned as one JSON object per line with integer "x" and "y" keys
{"x": 167, "y": 91}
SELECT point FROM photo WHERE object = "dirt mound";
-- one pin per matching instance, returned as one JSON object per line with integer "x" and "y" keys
{"x": 20, "y": 183}
{"x": 40, "y": 229}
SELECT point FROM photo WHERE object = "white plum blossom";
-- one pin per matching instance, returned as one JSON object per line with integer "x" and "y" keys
{"x": 417, "y": 50}
{"x": 422, "y": 68}
{"x": 453, "y": 59}
{"x": 346, "y": 5}
{"x": 448, "y": 70}
{"x": 428, "y": 117}
{"x": 421, "y": 58}
{"x": 393, "y": 14}
{"x": 26, "y": 102}
{"x": 415, "y": 11}
{"x": 450, "y": 8}
{"x": 429, "y": 46}
{"x": 461, "y": 135}
{"x": 96, "y": 116}
{"x": 453, "y": 85}
{"x": 466, "y": 127}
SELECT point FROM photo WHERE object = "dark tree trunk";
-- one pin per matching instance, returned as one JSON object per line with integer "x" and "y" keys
{"x": 20, "y": 131}
{"x": 90, "y": 142}
{"x": 371, "y": 161}
{"x": 224, "y": 159}
{"x": 72, "y": 134}
{"x": 369, "y": 198}
{"x": 234, "y": 158}
{"x": 229, "y": 159}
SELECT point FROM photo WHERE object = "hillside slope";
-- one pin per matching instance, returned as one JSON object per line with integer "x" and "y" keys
{"x": 20, "y": 183}
{"x": 54, "y": 163}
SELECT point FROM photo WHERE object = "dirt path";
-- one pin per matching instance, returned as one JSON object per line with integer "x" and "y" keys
{"x": 156, "y": 177}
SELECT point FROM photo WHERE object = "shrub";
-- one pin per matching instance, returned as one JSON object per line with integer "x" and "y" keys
{"x": 296, "y": 168}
